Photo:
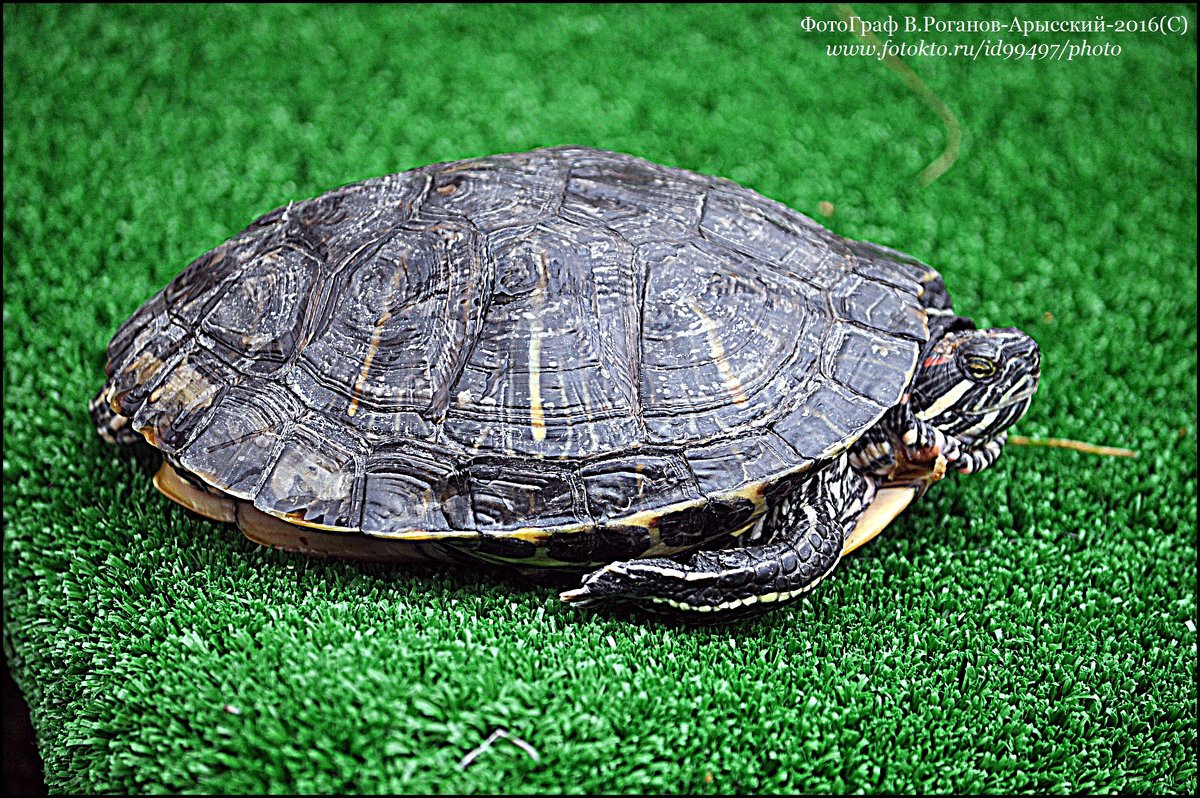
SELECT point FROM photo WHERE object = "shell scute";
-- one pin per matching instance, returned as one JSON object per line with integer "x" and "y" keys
{"x": 340, "y": 222}
{"x": 614, "y": 541}
{"x": 553, "y": 372}
{"x": 149, "y": 359}
{"x": 391, "y": 335}
{"x": 514, "y": 494}
{"x": 743, "y": 463}
{"x": 317, "y": 477}
{"x": 257, "y": 323}
{"x": 874, "y": 305}
{"x": 620, "y": 487}
{"x": 497, "y": 191}
{"x": 411, "y": 485}
{"x": 721, "y": 334}
{"x": 871, "y": 365}
{"x": 740, "y": 220}
{"x": 827, "y": 421}
{"x": 244, "y": 433}
{"x": 183, "y": 400}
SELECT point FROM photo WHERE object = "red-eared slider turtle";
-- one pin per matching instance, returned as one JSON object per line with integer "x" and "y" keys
{"x": 565, "y": 358}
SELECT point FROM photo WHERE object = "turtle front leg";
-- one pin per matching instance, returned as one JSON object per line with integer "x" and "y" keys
{"x": 923, "y": 442}
{"x": 901, "y": 447}
{"x": 804, "y": 534}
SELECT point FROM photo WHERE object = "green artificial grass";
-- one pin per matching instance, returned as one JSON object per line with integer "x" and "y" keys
{"x": 1031, "y": 628}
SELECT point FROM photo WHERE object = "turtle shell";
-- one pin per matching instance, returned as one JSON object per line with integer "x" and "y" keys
{"x": 569, "y": 353}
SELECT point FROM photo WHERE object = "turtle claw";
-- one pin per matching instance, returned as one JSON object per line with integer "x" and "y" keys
{"x": 951, "y": 449}
{"x": 606, "y": 583}
{"x": 578, "y": 597}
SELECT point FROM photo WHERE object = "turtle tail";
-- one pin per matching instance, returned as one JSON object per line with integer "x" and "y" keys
{"x": 111, "y": 425}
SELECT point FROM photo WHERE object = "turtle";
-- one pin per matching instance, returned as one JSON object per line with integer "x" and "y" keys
{"x": 677, "y": 392}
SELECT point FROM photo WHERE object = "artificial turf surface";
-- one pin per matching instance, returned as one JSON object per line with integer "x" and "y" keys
{"x": 1031, "y": 628}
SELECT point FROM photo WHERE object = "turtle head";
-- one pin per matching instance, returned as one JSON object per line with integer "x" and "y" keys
{"x": 975, "y": 384}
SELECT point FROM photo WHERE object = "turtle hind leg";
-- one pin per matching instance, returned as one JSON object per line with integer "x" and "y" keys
{"x": 805, "y": 533}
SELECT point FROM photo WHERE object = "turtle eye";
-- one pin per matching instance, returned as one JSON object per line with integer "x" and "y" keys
{"x": 981, "y": 368}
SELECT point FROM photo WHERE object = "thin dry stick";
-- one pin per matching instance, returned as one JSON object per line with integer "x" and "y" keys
{"x": 493, "y": 737}
{"x": 1079, "y": 446}
{"x": 953, "y": 130}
